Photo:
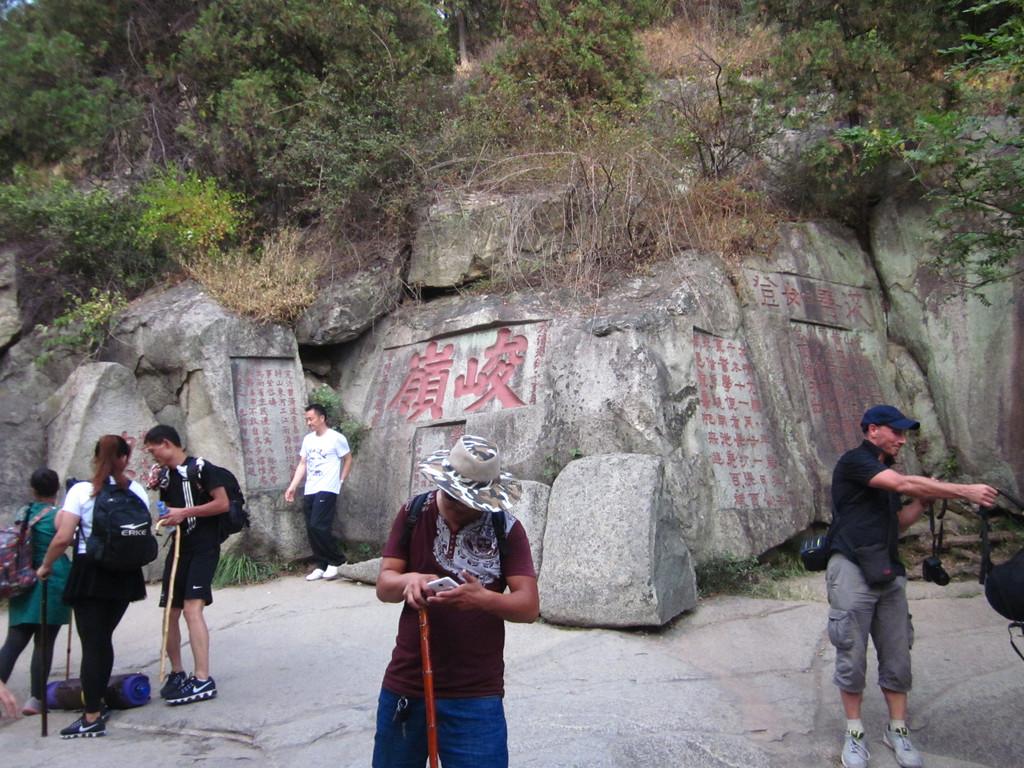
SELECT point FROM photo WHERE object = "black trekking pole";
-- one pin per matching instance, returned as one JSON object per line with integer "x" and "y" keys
{"x": 43, "y": 627}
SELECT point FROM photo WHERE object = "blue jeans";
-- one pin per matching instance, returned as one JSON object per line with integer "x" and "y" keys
{"x": 471, "y": 733}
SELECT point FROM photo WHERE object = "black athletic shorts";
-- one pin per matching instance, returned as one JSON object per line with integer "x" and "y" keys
{"x": 193, "y": 579}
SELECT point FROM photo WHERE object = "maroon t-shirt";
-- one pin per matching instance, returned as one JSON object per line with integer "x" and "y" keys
{"x": 466, "y": 647}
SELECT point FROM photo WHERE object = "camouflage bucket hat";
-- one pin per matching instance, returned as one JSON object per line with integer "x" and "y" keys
{"x": 471, "y": 473}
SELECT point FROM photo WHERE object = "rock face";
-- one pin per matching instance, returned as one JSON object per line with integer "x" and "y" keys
{"x": 235, "y": 392}
{"x": 692, "y": 412}
{"x": 10, "y": 320}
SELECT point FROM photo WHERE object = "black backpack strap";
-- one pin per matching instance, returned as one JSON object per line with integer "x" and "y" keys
{"x": 1010, "y": 628}
{"x": 411, "y": 518}
{"x": 498, "y": 521}
{"x": 941, "y": 517}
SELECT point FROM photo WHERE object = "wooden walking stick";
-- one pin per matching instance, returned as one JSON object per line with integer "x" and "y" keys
{"x": 67, "y": 664}
{"x": 167, "y": 604}
{"x": 428, "y": 687}
{"x": 43, "y": 627}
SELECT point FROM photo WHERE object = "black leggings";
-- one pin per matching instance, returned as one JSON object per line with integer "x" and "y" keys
{"x": 18, "y": 637}
{"x": 97, "y": 620}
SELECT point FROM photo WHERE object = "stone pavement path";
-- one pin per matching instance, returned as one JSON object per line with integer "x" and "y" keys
{"x": 738, "y": 682}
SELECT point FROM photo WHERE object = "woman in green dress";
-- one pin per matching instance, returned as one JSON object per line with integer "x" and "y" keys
{"x": 25, "y": 610}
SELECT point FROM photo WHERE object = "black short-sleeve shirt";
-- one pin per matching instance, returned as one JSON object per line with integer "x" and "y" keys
{"x": 863, "y": 515}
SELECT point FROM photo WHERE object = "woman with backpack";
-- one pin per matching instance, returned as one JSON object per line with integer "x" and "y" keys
{"x": 98, "y": 594}
{"x": 25, "y": 610}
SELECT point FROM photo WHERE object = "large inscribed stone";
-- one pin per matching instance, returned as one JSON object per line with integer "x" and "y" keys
{"x": 269, "y": 417}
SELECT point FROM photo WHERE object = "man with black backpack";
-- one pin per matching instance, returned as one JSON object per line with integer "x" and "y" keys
{"x": 195, "y": 493}
{"x": 867, "y": 583}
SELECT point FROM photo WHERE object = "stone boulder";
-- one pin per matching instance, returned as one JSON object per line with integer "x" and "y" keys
{"x": 97, "y": 399}
{"x": 469, "y": 237}
{"x": 613, "y": 553}
{"x": 29, "y": 374}
{"x": 10, "y": 313}
{"x": 346, "y": 308}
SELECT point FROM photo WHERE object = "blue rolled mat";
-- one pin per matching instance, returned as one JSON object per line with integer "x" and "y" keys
{"x": 123, "y": 692}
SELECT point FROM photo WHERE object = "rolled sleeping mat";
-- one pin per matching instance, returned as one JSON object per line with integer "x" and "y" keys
{"x": 123, "y": 692}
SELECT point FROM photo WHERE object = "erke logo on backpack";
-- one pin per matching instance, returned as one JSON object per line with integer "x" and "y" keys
{"x": 122, "y": 537}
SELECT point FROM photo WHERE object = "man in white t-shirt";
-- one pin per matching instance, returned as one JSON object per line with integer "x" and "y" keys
{"x": 325, "y": 461}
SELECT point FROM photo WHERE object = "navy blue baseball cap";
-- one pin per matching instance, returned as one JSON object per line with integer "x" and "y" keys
{"x": 887, "y": 416}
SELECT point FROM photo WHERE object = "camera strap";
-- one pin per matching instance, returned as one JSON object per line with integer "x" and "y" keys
{"x": 937, "y": 540}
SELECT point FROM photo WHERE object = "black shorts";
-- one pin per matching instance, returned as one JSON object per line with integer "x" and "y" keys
{"x": 193, "y": 579}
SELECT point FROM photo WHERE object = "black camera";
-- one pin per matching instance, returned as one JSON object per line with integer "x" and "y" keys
{"x": 932, "y": 570}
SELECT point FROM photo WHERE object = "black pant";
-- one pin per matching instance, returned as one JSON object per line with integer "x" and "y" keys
{"x": 319, "y": 510}
{"x": 97, "y": 619}
{"x": 18, "y": 637}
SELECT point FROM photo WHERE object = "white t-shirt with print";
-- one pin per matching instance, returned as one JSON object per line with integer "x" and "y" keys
{"x": 323, "y": 454}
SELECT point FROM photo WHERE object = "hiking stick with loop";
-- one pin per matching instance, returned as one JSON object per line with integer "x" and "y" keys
{"x": 428, "y": 687}
{"x": 170, "y": 599}
{"x": 43, "y": 627}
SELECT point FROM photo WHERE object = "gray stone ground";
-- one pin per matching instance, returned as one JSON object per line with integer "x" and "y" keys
{"x": 738, "y": 682}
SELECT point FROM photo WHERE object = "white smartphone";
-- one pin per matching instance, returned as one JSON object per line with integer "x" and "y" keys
{"x": 443, "y": 584}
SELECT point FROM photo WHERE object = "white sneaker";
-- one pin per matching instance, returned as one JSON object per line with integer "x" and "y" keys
{"x": 316, "y": 575}
{"x": 855, "y": 750}
{"x": 899, "y": 741}
{"x": 331, "y": 573}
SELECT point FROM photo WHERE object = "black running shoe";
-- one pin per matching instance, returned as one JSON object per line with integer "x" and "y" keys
{"x": 173, "y": 682}
{"x": 193, "y": 690}
{"x": 81, "y": 729}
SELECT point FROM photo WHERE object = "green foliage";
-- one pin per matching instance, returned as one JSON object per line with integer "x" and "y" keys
{"x": 338, "y": 418}
{"x": 731, "y": 575}
{"x": 358, "y": 552}
{"x": 871, "y": 63}
{"x": 980, "y": 157}
{"x": 239, "y": 570}
{"x": 581, "y": 51}
{"x": 970, "y": 160}
{"x": 53, "y": 101}
{"x": 73, "y": 239}
{"x": 188, "y": 216}
{"x": 86, "y": 324}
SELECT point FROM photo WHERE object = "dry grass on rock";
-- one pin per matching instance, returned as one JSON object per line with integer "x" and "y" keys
{"x": 273, "y": 286}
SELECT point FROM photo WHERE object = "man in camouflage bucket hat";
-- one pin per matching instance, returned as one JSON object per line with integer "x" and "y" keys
{"x": 454, "y": 535}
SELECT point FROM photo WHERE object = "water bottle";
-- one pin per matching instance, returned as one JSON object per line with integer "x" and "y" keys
{"x": 161, "y": 508}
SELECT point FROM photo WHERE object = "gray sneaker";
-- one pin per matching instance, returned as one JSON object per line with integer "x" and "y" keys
{"x": 899, "y": 742}
{"x": 855, "y": 750}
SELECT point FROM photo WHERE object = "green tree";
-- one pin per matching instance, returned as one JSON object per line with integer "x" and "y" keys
{"x": 310, "y": 99}
{"x": 862, "y": 61}
{"x": 579, "y": 52}
{"x": 979, "y": 154}
{"x": 52, "y": 100}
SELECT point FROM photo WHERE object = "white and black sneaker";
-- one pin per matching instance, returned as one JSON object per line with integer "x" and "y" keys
{"x": 193, "y": 690}
{"x": 173, "y": 682}
{"x": 80, "y": 729}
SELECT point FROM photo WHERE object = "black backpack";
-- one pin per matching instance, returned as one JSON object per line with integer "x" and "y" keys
{"x": 1004, "y": 583}
{"x": 236, "y": 519}
{"x": 122, "y": 537}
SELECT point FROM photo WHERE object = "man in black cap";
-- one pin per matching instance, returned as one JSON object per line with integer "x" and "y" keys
{"x": 866, "y": 581}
